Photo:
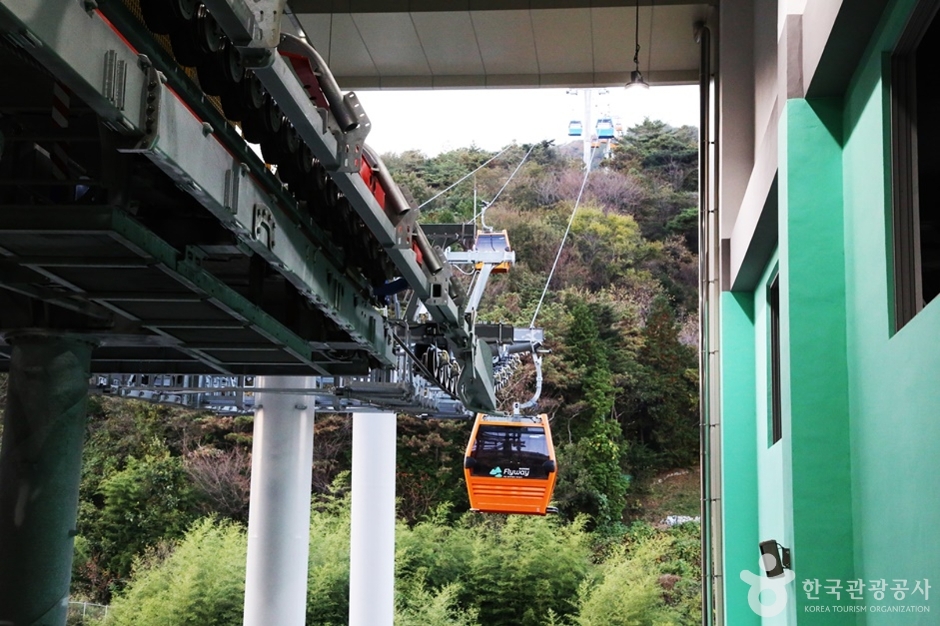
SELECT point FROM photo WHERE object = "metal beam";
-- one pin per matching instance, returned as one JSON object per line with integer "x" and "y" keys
{"x": 105, "y": 220}
{"x": 195, "y": 155}
{"x": 331, "y": 147}
{"x": 157, "y": 109}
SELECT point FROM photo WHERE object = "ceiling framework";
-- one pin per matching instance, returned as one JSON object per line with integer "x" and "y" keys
{"x": 420, "y": 45}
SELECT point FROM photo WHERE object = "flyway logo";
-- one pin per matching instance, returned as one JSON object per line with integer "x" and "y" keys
{"x": 776, "y": 585}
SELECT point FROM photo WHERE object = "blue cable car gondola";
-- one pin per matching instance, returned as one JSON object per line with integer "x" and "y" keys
{"x": 574, "y": 128}
{"x": 605, "y": 128}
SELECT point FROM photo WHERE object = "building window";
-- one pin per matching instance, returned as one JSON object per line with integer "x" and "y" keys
{"x": 776, "y": 406}
{"x": 915, "y": 120}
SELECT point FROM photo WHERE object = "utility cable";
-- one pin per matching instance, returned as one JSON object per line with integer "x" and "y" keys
{"x": 501, "y": 189}
{"x": 442, "y": 192}
{"x": 561, "y": 246}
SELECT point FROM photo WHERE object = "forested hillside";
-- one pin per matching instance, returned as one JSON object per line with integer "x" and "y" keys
{"x": 621, "y": 312}
{"x": 164, "y": 493}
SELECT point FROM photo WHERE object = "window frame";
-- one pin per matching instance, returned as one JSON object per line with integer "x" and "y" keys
{"x": 516, "y": 438}
{"x": 774, "y": 365}
{"x": 906, "y": 270}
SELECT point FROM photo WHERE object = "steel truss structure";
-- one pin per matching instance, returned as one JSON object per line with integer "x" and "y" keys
{"x": 135, "y": 213}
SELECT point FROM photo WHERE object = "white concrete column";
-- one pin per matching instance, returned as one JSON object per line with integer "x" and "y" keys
{"x": 372, "y": 534}
{"x": 587, "y": 129}
{"x": 279, "y": 510}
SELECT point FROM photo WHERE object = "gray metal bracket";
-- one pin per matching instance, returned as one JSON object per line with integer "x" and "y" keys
{"x": 115, "y": 79}
{"x": 349, "y": 145}
{"x": 263, "y": 226}
{"x": 150, "y": 105}
{"x": 439, "y": 288}
{"x": 476, "y": 386}
{"x": 249, "y": 26}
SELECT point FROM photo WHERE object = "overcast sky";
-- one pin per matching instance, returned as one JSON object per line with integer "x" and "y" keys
{"x": 440, "y": 120}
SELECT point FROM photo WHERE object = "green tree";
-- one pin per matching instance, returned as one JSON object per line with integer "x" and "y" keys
{"x": 328, "y": 569}
{"x": 134, "y": 489}
{"x": 665, "y": 159}
{"x": 652, "y": 579}
{"x": 199, "y": 581}
{"x": 664, "y": 411}
{"x": 511, "y": 571}
{"x": 436, "y": 174}
{"x": 530, "y": 566}
{"x": 629, "y": 593}
{"x": 588, "y": 353}
{"x": 590, "y": 477}
{"x": 416, "y": 605}
{"x": 610, "y": 246}
{"x": 660, "y": 151}
{"x": 430, "y": 466}
{"x": 503, "y": 571}
{"x": 149, "y": 500}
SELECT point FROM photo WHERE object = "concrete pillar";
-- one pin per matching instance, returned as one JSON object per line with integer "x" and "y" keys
{"x": 372, "y": 533}
{"x": 279, "y": 510}
{"x": 40, "y": 469}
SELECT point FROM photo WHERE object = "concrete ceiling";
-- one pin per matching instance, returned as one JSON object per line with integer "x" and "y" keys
{"x": 414, "y": 44}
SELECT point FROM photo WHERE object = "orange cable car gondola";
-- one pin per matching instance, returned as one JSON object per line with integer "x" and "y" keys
{"x": 510, "y": 464}
{"x": 497, "y": 241}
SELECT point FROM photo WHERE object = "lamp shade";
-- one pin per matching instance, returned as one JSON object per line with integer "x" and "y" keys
{"x": 636, "y": 80}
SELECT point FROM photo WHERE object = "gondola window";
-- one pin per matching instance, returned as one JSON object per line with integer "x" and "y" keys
{"x": 515, "y": 452}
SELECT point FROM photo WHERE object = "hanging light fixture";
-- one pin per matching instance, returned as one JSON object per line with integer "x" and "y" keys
{"x": 636, "y": 77}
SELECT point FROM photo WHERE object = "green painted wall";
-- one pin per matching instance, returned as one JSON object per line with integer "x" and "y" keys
{"x": 853, "y": 485}
{"x": 894, "y": 379}
{"x": 803, "y": 482}
{"x": 739, "y": 466}
{"x": 773, "y": 503}
{"x": 813, "y": 324}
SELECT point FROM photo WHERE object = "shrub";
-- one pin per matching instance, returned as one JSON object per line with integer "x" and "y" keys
{"x": 199, "y": 581}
